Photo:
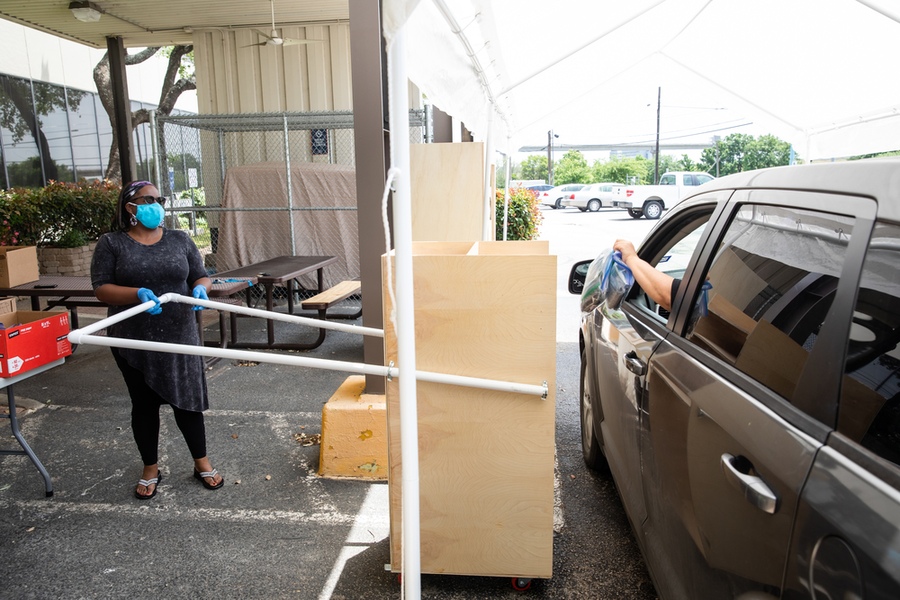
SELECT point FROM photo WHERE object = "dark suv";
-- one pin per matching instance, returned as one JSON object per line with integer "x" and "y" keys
{"x": 753, "y": 431}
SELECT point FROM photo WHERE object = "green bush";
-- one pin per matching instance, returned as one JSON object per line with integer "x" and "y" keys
{"x": 524, "y": 215}
{"x": 19, "y": 218}
{"x": 62, "y": 215}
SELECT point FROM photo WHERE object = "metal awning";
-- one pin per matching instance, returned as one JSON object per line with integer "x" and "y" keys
{"x": 168, "y": 22}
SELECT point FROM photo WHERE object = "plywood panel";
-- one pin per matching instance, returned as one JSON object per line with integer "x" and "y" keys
{"x": 447, "y": 188}
{"x": 486, "y": 458}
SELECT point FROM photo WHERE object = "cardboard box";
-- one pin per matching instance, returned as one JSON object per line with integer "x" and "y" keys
{"x": 18, "y": 265}
{"x": 30, "y": 339}
{"x": 7, "y": 305}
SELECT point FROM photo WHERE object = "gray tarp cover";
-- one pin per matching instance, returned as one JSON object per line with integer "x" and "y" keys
{"x": 329, "y": 229}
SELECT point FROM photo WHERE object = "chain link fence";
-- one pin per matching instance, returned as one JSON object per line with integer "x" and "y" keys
{"x": 250, "y": 187}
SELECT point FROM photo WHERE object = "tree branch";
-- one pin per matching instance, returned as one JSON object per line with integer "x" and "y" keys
{"x": 175, "y": 57}
{"x": 138, "y": 58}
{"x": 139, "y": 117}
{"x": 171, "y": 95}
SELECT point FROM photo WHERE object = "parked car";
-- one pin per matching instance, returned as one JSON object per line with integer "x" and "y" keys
{"x": 553, "y": 197}
{"x": 753, "y": 432}
{"x": 591, "y": 197}
{"x": 539, "y": 188}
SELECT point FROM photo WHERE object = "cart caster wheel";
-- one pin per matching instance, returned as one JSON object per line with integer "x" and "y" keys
{"x": 520, "y": 584}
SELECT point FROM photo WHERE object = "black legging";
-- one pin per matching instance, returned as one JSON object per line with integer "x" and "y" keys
{"x": 145, "y": 405}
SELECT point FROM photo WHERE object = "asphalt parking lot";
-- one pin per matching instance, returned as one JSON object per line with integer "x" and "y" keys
{"x": 276, "y": 530}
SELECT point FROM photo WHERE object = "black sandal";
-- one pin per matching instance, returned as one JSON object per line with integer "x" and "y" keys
{"x": 147, "y": 483}
{"x": 202, "y": 475}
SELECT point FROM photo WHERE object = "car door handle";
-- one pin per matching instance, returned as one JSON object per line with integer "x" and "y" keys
{"x": 754, "y": 489}
{"x": 634, "y": 364}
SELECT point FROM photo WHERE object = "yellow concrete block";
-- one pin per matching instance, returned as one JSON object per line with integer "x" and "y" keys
{"x": 354, "y": 433}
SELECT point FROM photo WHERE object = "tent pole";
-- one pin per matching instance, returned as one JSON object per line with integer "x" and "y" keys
{"x": 398, "y": 100}
{"x": 506, "y": 191}
{"x": 486, "y": 234}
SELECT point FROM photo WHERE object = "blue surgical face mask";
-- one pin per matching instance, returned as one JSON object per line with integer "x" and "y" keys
{"x": 150, "y": 215}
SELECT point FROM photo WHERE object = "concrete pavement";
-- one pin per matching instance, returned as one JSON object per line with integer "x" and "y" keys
{"x": 276, "y": 529}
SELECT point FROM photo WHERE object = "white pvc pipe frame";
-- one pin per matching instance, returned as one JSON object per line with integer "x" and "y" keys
{"x": 404, "y": 314}
{"x": 85, "y": 335}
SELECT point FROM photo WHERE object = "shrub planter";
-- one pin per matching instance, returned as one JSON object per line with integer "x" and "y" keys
{"x": 70, "y": 262}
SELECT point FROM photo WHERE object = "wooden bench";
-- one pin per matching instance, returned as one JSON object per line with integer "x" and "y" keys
{"x": 322, "y": 301}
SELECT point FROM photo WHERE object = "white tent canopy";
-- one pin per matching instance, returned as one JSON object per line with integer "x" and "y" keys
{"x": 817, "y": 73}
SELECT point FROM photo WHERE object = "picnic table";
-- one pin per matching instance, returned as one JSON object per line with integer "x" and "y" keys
{"x": 279, "y": 271}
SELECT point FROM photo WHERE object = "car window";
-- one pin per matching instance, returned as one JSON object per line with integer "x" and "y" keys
{"x": 667, "y": 180}
{"x": 687, "y": 179}
{"x": 702, "y": 178}
{"x": 674, "y": 254}
{"x": 869, "y": 411}
{"x": 770, "y": 285}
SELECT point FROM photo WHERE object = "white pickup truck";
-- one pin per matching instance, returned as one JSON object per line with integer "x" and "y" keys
{"x": 651, "y": 200}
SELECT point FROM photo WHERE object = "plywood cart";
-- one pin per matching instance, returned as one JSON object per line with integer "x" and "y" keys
{"x": 486, "y": 458}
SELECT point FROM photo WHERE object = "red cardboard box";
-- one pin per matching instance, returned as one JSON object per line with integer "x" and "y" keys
{"x": 30, "y": 339}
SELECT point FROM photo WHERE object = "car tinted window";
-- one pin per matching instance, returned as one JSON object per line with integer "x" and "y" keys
{"x": 772, "y": 278}
{"x": 869, "y": 412}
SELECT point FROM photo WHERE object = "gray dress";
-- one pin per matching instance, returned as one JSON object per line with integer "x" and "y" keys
{"x": 170, "y": 265}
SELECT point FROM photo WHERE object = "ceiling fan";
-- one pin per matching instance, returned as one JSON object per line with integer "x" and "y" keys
{"x": 273, "y": 39}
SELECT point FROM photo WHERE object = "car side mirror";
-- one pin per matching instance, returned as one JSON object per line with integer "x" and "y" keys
{"x": 577, "y": 276}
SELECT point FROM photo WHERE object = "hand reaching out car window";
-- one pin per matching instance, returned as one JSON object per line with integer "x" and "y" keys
{"x": 658, "y": 285}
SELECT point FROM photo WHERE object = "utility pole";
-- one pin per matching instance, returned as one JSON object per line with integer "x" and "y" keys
{"x": 656, "y": 154}
{"x": 550, "y": 136}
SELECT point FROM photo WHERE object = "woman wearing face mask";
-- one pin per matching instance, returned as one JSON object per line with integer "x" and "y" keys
{"x": 135, "y": 263}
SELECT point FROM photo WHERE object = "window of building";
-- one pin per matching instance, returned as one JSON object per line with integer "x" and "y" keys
{"x": 53, "y": 131}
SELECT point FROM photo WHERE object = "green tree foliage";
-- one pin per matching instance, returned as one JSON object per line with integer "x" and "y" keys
{"x": 741, "y": 152}
{"x": 572, "y": 168}
{"x": 533, "y": 167}
{"x": 876, "y": 155}
{"x": 621, "y": 170}
{"x": 523, "y": 217}
{"x": 60, "y": 214}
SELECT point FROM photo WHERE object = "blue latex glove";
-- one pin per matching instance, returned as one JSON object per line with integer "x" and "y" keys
{"x": 145, "y": 295}
{"x": 199, "y": 293}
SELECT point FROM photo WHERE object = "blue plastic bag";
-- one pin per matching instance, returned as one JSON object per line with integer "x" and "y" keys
{"x": 617, "y": 280}
{"x": 608, "y": 281}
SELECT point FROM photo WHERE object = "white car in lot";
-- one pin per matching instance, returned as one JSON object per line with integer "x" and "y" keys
{"x": 554, "y": 197}
{"x": 591, "y": 197}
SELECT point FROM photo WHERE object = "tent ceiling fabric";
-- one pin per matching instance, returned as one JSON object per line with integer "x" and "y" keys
{"x": 813, "y": 72}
